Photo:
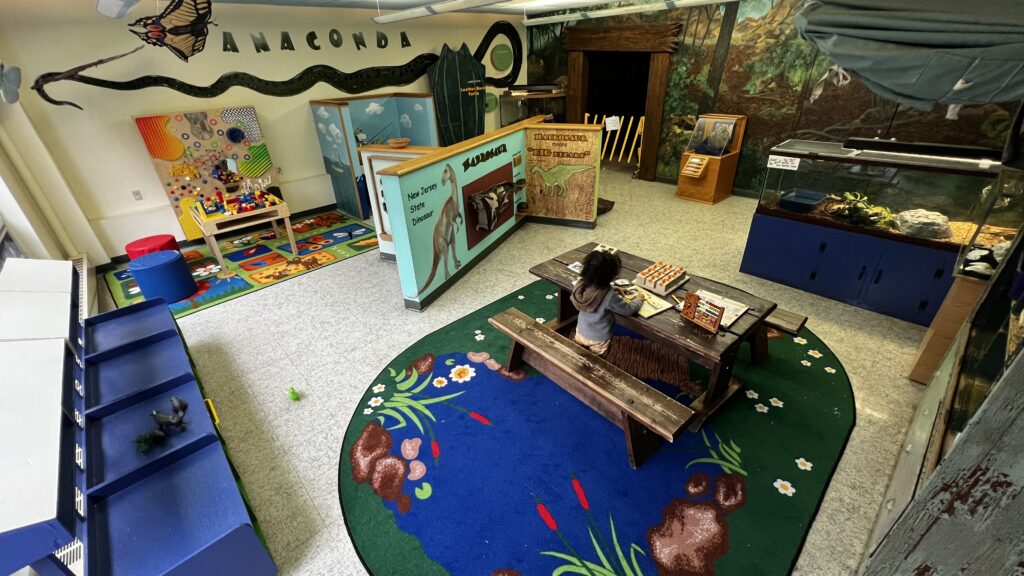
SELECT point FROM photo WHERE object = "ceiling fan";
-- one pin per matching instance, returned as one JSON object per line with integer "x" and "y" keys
{"x": 10, "y": 82}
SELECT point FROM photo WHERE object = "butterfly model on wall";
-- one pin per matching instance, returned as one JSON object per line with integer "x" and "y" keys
{"x": 182, "y": 27}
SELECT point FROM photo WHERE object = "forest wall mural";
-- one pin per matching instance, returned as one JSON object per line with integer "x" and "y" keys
{"x": 747, "y": 58}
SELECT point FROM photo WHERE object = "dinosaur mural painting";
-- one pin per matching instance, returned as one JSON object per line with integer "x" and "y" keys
{"x": 554, "y": 178}
{"x": 448, "y": 220}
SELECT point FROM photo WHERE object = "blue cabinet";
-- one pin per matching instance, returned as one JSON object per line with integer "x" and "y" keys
{"x": 80, "y": 403}
{"x": 784, "y": 251}
{"x": 847, "y": 260}
{"x": 899, "y": 279}
{"x": 909, "y": 282}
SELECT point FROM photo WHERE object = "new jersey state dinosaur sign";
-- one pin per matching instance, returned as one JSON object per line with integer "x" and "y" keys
{"x": 563, "y": 164}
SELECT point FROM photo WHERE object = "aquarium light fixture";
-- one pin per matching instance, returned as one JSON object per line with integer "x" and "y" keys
{"x": 635, "y": 9}
{"x": 431, "y": 9}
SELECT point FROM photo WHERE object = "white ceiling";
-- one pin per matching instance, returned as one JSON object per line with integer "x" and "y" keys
{"x": 506, "y": 7}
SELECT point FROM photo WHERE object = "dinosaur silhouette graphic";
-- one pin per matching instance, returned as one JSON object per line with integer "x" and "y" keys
{"x": 444, "y": 230}
{"x": 554, "y": 178}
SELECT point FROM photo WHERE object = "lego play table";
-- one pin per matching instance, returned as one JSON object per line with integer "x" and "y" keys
{"x": 219, "y": 223}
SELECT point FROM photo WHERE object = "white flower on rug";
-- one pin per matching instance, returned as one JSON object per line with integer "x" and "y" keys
{"x": 440, "y": 382}
{"x": 814, "y": 354}
{"x": 805, "y": 362}
{"x": 549, "y": 297}
{"x": 775, "y": 402}
{"x": 760, "y": 408}
{"x": 803, "y": 464}
{"x": 479, "y": 337}
{"x": 784, "y": 487}
{"x": 378, "y": 388}
{"x": 521, "y": 297}
{"x": 462, "y": 373}
{"x": 477, "y": 331}
{"x": 367, "y": 411}
{"x": 206, "y": 270}
{"x": 800, "y": 340}
{"x": 751, "y": 394}
{"x": 376, "y": 401}
{"x": 541, "y": 320}
{"x": 830, "y": 370}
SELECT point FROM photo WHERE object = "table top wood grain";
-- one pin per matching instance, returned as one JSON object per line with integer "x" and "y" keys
{"x": 668, "y": 326}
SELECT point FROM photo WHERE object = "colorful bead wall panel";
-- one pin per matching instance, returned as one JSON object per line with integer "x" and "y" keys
{"x": 197, "y": 154}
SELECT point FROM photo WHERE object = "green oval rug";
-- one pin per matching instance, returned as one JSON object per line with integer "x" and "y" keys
{"x": 451, "y": 465}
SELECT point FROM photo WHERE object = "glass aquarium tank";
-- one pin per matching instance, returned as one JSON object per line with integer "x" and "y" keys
{"x": 516, "y": 106}
{"x": 999, "y": 221}
{"x": 932, "y": 199}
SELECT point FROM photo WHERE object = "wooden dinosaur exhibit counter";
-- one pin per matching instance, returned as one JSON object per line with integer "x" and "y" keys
{"x": 449, "y": 207}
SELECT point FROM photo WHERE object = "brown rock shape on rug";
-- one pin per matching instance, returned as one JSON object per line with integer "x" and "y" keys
{"x": 417, "y": 470}
{"x": 371, "y": 445}
{"x": 649, "y": 360}
{"x": 411, "y": 448}
{"x": 422, "y": 365}
{"x": 730, "y": 492}
{"x": 689, "y": 539}
{"x": 404, "y": 503}
{"x": 517, "y": 375}
{"x": 389, "y": 476}
{"x": 492, "y": 364}
{"x": 506, "y": 572}
{"x": 698, "y": 485}
{"x": 478, "y": 357}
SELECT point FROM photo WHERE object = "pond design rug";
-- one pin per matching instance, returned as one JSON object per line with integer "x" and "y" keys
{"x": 452, "y": 465}
{"x": 256, "y": 260}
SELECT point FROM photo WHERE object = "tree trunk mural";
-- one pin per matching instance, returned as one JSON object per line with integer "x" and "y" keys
{"x": 732, "y": 9}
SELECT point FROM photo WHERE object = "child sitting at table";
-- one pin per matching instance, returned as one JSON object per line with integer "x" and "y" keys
{"x": 598, "y": 303}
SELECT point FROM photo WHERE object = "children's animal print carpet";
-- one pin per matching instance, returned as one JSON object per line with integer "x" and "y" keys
{"x": 256, "y": 260}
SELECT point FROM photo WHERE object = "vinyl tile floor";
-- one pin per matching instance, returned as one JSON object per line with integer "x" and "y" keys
{"x": 330, "y": 332}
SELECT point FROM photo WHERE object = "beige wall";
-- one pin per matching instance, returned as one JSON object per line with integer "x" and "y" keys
{"x": 99, "y": 150}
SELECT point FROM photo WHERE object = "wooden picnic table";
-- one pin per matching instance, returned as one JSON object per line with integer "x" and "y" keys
{"x": 716, "y": 352}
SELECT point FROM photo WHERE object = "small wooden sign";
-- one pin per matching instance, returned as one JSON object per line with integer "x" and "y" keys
{"x": 702, "y": 313}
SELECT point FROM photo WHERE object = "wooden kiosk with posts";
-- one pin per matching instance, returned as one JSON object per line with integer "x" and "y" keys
{"x": 708, "y": 166}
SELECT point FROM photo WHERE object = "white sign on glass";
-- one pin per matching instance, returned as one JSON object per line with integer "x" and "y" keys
{"x": 783, "y": 162}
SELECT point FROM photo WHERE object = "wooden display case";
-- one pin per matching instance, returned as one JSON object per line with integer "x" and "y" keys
{"x": 708, "y": 167}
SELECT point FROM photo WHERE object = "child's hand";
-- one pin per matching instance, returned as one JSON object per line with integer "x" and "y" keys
{"x": 641, "y": 296}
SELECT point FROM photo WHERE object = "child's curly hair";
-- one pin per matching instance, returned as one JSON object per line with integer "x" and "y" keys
{"x": 600, "y": 268}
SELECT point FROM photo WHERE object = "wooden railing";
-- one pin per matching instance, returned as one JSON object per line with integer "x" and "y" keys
{"x": 629, "y": 137}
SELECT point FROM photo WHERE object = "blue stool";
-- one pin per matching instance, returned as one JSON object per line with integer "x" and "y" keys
{"x": 164, "y": 275}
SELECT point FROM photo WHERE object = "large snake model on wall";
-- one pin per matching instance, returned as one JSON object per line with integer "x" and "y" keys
{"x": 349, "y": 82}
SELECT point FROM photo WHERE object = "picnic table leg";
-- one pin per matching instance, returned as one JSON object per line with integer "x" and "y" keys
{"x": 641, "y": 443}
{"x": 759, "y": 345}
{"x": 721, "y": 385}
{"x": 515, "y": 355}
{"x": 565, "y": 308}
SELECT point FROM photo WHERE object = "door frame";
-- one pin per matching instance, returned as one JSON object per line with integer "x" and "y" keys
{"x": 659, "y": 40}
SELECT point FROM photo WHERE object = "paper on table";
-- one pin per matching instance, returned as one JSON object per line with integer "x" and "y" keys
{"x": 733, "y": 309}
{"x": 652, "y": 305}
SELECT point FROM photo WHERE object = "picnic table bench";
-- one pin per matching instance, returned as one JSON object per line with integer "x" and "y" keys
{"x": 646, "y": 415}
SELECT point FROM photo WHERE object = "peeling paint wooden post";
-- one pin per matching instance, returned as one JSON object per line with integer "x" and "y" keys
{"x": 969, "y": 519}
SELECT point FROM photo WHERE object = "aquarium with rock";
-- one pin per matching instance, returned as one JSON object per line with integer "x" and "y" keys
{"x": 930, "y": 198}
{"x": 998, "y": 223}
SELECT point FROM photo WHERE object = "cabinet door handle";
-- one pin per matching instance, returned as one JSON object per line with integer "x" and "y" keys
{"x": 863, "y": 270}
{"x": 814, "y": 274}
{"x": 822, "y": 246}
{"x": 922, "y": 305}
{"x": 939, "y": 273}
{"x": 878, "y": 277}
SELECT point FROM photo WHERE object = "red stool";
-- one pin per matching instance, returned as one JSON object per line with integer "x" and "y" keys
{"x": 150, "y": 244}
